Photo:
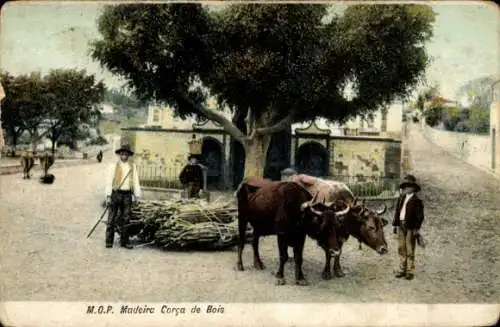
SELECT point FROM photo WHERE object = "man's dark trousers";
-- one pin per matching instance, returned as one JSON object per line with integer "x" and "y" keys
{"x": 120, "y": 211}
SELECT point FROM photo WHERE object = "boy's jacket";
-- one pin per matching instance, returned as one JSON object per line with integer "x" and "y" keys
{"x": 414, "y": 214}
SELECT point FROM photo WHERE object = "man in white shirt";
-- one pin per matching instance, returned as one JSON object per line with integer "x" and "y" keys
{"x": 408, "y": 218}
{"x": 121, "y": 185}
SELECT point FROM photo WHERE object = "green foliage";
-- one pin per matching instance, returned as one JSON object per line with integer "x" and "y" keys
{"x": 60, "y": 102}
{"x": 479, "y": 120}
{"x": 272, "y": 58}
{"x": 98, "y": 141}
{"x": 467, "y": 120}
{"x": 451, "y": 117}
{"x": 72, "y": 99}
{"x": 462, "y": 126}
{"x": 275, "y": 64}
{"x": 434, "y": 115}
{"x": 24, "y": 107}
{"x": 126, "y": 105}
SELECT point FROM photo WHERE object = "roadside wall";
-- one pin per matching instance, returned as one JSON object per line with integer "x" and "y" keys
{"x": 472, "y": 148}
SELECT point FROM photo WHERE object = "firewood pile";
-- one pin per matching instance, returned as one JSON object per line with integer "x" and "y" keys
{"x": 187, "y": 224}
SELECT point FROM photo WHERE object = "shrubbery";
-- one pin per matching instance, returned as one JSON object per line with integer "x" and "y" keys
{"x": 98, "y": 141}
{"x": 434, "y": 115}
{"x": 467, "y": 120}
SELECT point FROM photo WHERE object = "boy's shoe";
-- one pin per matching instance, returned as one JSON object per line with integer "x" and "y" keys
{"x": 400, "y": 274}
{"x": 109, "y": 246}
{"x": 409, "y": 276}
{"x": 127, "y": 246}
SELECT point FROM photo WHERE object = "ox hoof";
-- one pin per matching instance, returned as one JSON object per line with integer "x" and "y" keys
{"x": 280, "y": 281}
{"x": 239, "y": 266}
{"x": 259, "y": 265}
{"x": 326, "y": 275}
{"x": 339, "y": 273}
{"x": 302, "y": 282}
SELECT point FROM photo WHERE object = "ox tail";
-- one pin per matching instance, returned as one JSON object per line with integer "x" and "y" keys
{"x": 240, "y": 186}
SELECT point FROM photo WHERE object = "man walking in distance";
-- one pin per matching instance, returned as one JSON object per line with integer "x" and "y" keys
{"x": 408, "y": 217}
{"x": 122, "y": 184}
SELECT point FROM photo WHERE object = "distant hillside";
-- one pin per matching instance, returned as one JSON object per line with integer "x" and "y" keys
{"x": 477, "y": 92}
{"x": 125, "y": 105}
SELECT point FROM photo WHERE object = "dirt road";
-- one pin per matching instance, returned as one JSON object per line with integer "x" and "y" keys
{"x": 45, "y": 256}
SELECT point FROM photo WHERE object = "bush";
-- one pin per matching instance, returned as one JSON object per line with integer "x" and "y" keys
{"x": 415, "y": 119}
{"x": 451, "y": 118}
{"x": 434, "y": 115}
{"x": 98, "y": 141}
{"x": 462, "y": 126}
{"x": 479, "y": 120}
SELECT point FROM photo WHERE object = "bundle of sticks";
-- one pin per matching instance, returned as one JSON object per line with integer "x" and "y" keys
{"x": 188, "y": 224}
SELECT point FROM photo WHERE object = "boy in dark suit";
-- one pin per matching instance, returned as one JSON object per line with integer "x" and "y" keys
{"x": 408, "y": 217}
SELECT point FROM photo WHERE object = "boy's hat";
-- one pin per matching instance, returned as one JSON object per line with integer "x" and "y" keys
{"x": 410, "y": 180}
{"x": 126, "y": 148}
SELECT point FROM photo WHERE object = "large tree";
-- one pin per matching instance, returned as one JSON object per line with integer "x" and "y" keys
{"x": 11, "y": 118}
{"x": 23, "y": 109}
{"x": 72, "y": 99}
{"x": 54, "y": 104}
{"x": 277, "y": 64}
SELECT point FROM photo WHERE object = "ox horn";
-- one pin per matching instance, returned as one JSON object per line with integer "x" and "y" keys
{"x": 382, "y": 211}
{"x": 305, "y": 205}
{"x": 343, "y": 212}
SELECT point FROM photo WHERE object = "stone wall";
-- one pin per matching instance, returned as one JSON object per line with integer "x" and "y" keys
{"x": 472, "y": 148}
{"x": 349, "y": 156}
{"x": 168, "y": 148}
{"x": 367, "y": 157}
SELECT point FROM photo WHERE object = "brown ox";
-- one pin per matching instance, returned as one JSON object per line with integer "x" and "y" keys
{"x": 283, "y": 209}
{"x": 362, "y": 223}
{"x": 27, "y": 162}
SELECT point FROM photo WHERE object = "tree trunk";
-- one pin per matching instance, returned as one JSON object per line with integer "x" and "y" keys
{"x": 14, "y": 143}
{"x": 256, "y": 155}
{"x": 53, "y": 147}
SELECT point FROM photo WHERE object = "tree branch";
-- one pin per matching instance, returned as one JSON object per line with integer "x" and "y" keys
{"x": 250, "y": 122}
{"x": 215, "y": 116}
{"x": 278, "y": 127}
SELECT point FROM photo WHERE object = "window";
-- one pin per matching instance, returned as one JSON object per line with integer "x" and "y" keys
{"x": 156, "y": 115}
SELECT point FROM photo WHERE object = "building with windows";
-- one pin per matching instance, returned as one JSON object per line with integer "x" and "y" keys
{"x": 363, "y": 148}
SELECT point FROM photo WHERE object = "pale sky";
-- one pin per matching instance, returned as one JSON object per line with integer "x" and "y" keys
{"x": 43, "y": 36}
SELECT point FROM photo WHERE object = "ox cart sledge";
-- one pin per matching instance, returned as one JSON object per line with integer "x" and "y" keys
{"x": 185, "y": 224}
